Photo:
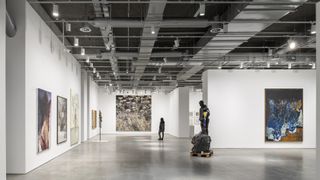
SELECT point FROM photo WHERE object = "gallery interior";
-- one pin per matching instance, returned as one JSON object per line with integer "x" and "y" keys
{"x": 159, "y": 89}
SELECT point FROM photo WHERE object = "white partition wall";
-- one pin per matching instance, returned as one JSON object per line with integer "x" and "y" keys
{"x": 178, "y": 121}
{"x": 84, "y": 106}
{"x": 93, "y": 105}
{"x": 2, "y": 91}
{"x": 236, "y": 101}
{"x": 318, "y": 84}
{"x": 15, "y": 87}
{"x": 107, "y": 105}
{"x": 173, "y": 107}
{"x": 36, "y": 59}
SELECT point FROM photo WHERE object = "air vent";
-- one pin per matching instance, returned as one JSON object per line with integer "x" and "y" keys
{"x": 85, "y": 29}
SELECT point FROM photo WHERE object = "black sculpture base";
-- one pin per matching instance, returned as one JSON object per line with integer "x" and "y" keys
{"x": 201, "y": 143}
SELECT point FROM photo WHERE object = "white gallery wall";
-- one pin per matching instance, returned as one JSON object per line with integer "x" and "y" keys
{"x": 107, "y": 105}
{"x": 194, "y": 107}
{"x": 84, "y": 106}
{"x": 236, "y": 101}
{"x": 49, "y": 67}
{"x": 2, "y": 90}
{"x": 173, "y": 107}
{"x": 15, "y": 90}
{"x": 93, "y": 105}
{"x": 318, "y": 83}
{"x": 178, "y": 122}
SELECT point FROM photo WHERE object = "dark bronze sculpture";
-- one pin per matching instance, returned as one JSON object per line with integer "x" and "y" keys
{"x": 201, "y": 141}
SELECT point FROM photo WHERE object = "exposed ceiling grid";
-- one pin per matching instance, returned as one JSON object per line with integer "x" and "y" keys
{"x": 164, "y": 44}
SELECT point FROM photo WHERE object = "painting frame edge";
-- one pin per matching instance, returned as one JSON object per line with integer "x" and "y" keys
{"x": 62, "y": 142}
{"x": 265, "y": 116}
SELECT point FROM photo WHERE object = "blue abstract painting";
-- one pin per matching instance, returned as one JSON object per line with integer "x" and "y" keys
{"x": 284, "y": 115}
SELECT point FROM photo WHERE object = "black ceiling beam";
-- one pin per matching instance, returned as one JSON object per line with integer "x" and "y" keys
{"x": 262, "y": 2}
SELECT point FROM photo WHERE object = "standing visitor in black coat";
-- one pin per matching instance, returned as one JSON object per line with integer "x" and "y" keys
{"x": 161, "y": 129}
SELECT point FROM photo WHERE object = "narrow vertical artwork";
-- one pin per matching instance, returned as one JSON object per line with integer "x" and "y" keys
{"x": 44, "y": 117}
{"x": 284, "y": 115}
{"x": 74, "y": 118}
{"x": 62, "y": 122}
{"x": 94, "y": 119}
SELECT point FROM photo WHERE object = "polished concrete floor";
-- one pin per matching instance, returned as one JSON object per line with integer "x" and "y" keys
{"x": 146, "y": 158}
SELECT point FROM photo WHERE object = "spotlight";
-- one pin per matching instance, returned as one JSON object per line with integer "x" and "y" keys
{"x": 83, "y": 51}
{"x": 94, "y": 70}
{"x": 289, "y": 65}
{"x": 153, "y": 30}
{"x": 76, "y": 42}
{"x": 241, "y": 65}
{"x": 55, "y": 10}
{"x": 176, "y": 43}
{"x": 110, "y": 84}
{"x": 225, "y": 28}
{"x": 313, "y": 29}
{"x": 270, "y": 52}
{"x": 219, "y": 67}
{"x": 268, "y": 65}
{"x": 68, "y": 27}
{"x": 165, "y": 60}
{"x": 202, "y": 9}
{"x": 292, "y": 45}
{"x": 313, "y": 65}
{"x": 88, "y": 60}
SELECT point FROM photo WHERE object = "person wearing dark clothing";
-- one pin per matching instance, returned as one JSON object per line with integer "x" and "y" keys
{"x": 161, "y": 129}
{"x": 204, "y": 113}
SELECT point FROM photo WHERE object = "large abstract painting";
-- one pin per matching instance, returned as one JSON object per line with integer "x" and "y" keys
{"x": 284, "y": 115}
{"x": 44, "y": 116}
{"x": 74, "y": 118}
{"x": 94, "y": 119}
{"x": 62, "y": 123}
{"x": 133, "y": 113}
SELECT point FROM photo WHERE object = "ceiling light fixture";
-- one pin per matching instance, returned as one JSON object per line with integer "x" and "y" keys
{"x": 270, "y": 52}
{"x": 292, "y": 44}
{"x": 68, "y": 27}
{"x": 176, "y": 43}
{"x": 165, "y": 60}
{"x": 202, "y": 9}
{"x": 83, "y": 51}
{"x": 268, "y": 65}
{"x": 55, "y": 10}
{"x": 88, "y": 60}
{"x": 313, "y": 29}
{"x": 153, "y": 30}
{"x": 241, "y": 65}
{"x": 225, "y": 27}
{"x": 76, "y": 42}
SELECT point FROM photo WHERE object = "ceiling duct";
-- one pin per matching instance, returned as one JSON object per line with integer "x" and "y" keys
{"x": 257, "y": 12}
{"x": 11, "y": 28}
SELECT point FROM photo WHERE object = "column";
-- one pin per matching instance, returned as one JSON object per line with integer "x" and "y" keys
{"x": 2, "y": 90}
